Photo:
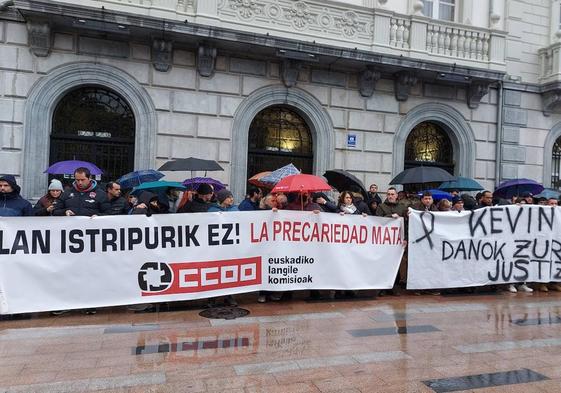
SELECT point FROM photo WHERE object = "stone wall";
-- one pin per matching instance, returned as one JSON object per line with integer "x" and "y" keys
{"x": 195, "y": 114}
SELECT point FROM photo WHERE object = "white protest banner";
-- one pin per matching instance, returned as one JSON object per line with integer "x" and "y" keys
{"x": 494, "y": 245}
{"x": 51, "y": 263}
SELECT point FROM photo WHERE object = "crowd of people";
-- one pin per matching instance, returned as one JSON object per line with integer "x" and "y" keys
{"x": 86, "y": 197}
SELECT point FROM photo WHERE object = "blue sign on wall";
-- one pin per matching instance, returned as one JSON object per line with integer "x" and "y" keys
{"x": 351, "y": 140}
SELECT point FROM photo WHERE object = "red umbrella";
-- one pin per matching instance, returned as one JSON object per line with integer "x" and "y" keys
{"x": 301, "y": 183}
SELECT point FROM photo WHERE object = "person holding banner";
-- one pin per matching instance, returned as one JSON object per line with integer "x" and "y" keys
{"x": 84, "y": 197}
{"x": 427, "y": 203}
{"x": 392, "y": 208}
{"x": 457, "y": 204}
{"x": 346, "y": 205}
{"x": 149, "y": 203}
{"x": 117, "y": 204}
{"x": 12, "y": 203}
{"x": 46, "y": 204}
{"x": 224, "y": 202}
{"x": 251, "y": 202}
{"x": 200, "y": 202}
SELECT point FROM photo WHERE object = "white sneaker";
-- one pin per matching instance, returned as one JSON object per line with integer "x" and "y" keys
{"x": 525, "y": 288}
{"x": 261, "y": 299}
{"x": 511, "y": 288}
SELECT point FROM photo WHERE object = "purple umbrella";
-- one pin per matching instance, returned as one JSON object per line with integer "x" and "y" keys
{"x": 194, "y": 183}
{"x": 68, "y": 167}
{"x": 517, "y": 187}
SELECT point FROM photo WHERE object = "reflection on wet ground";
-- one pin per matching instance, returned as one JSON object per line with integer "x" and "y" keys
{"x": 484, "y": 380}
{"x": 501, "y": 342}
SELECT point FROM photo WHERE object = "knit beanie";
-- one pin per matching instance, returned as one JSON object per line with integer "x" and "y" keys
{"x": 222, "y": 195}
{"x": 55, "y": 185}
{"x": 204, "y": 189}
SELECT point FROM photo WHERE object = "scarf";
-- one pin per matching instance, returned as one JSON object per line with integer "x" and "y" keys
{"x": 348, "y": 209}
{"x": 92, "y": 185}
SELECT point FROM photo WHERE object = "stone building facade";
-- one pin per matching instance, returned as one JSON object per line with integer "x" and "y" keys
{"x": 360, "y": 74}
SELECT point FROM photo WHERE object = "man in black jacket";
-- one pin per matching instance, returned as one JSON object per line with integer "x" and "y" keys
{"x": 116, "y": 203}
{"x": 200, "y": 202}
{"x": 11, "y": 202}
{"x": 83, "y": 198}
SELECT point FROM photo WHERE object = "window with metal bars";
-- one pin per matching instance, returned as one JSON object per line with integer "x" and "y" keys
{"x": 279, "y": 136}
{"x": 428, "y": 145}
{"x": 94, "y": 124}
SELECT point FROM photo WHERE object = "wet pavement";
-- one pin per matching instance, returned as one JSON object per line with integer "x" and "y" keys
{"x": 495, "y": 342}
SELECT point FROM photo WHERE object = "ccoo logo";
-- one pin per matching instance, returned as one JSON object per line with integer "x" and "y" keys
{"x": 155, "y": 277}
{"x": 159, "y": 278}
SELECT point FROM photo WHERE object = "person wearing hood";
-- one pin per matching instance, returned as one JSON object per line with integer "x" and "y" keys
{"x": 200, "y": 202}
{"x": 149, "y": 203}
{"x": 84, "y": 198}
{"x": 12, "y": 204}
{"x": 46, "y": 204}
{"x": 358, "y": 200}
{"x": 224, "y": 202}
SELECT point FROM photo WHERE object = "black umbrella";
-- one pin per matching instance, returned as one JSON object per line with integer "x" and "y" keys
{"x": 422, "y": 174}
{"x": 344, "y": 181}
{"x": 191, "y": 164}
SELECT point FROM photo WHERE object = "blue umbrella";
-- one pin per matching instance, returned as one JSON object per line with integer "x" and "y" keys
{"x": 461, "y": 184}
{"x": 279, "y": 174}
{"x": 136, "y": 178}
{"x": 516, "y": 187}
{"x": 549, "y": 193}
{"x": 157, "y": 186}
{"x": 437, "y": 195}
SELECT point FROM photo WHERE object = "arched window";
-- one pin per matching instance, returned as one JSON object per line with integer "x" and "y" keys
{"x": 279, "y": 136}
{"x": 556, "y": 165}
{"x": 429, "y": 145}
{"x": 97, "y": 125}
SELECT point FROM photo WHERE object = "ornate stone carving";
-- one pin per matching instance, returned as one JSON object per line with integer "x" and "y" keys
{"x": 367, "y": 81}
{"x": 206, "y": 60}
{"x": 247, "y": 9}
{"x": 476, "y": 91}
{"x": 551, "y": 101}
{"x": 39, "y": 38}
{"x": 403, "y": 82}
{"x": 350, "y": 24}
{"x": 162, "y": 54}
{"x": 289, "y": 72}
{"x": 300, "y": 15}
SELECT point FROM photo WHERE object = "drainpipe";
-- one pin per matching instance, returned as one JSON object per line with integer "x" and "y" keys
{"x": 5, "y": 4}
{"x": 498, "y": 151}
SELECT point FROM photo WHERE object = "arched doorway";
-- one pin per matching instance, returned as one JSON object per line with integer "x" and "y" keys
{"x": 94, "y": 124}
{"x": 556, "y": 164}
{"x": 279, "y": 136}
{"x": 429, "y": 145}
